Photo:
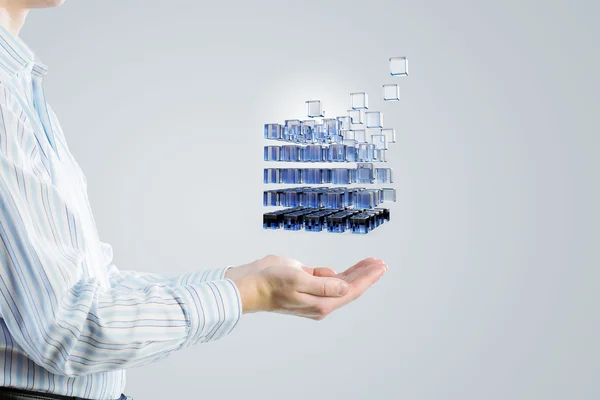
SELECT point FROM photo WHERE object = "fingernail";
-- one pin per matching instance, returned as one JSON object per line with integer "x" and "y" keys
{"x": 343, "y": 288}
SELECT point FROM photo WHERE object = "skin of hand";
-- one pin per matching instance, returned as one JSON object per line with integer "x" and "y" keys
{"x": 299, "y": 290}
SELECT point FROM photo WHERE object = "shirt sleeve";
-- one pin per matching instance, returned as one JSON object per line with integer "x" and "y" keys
{"x": 61, "y": 316}
{"x": 133, "y": 279}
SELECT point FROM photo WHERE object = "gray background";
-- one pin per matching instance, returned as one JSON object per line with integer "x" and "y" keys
{"x": 492, "y": 291}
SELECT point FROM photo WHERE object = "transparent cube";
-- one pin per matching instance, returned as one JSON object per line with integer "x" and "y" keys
{"x": 340, "y": 176}
{"x": 271, "y": 198}
{"x": 313, "y": 153}
{"x": 347, "y": 134}
{"x": 314, "y": 109}
{"x": 380, "y": 142}
{"x": 273, "y": 131}
{"x": 344, "y": 122}
{"x": 272, "y": 175}
{"x": 351, "y": 151}
{"x": 290, "y": 152}
{"x": 332, "y": 126}
{"x": 307, "y": 128}
{"x": 359, "y": 101}
{"x": 374, "y": 119}
{"x": 391, "y": 92}
{"x": 336, "y": 153}
{"x": 388, "y": 195}
{"x": 312, "y": 176}
{"x": 320, "y": 133}
{"x": 356, "y": 116}
{"x": 364, "y": 173}
{"x": 390, "y": 134}
{"x": 380, "y": 155}
{"x": 399, "y": 66}
{"x": 291, "y": 130}
{"x": 291, "y": 175}
{"x": 272, "y": 153}
{"x": 362, "y": 153}
{"x": 360, "y": 136}
{"x": 326, "y": 174}
{"x": 335, "y": 139}
{"x": 383, "y": 175}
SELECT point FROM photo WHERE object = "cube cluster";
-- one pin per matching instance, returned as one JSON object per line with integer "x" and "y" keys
{"x": 359, "y": 137}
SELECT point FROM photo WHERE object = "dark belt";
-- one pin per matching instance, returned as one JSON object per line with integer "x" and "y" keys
{"x": 7, "y": 393}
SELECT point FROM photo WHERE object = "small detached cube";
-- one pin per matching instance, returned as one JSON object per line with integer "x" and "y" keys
{"x": 356, "y": 116}
{"x": 391, "y": 92}
{"x": 374, "y": 119}
{"x": 314, "y": 109}
{"x": 399, "y": 66}
{"x": 359, "y": 101}
{"x": 390, "y": 133}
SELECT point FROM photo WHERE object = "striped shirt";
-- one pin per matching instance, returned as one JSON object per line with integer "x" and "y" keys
{"x": 71, "y": 323}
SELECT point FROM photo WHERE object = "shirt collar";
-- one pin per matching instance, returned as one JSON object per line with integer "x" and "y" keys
{"x": 15, "y": 56}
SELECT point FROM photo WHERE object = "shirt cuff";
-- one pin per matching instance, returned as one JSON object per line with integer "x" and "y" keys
{"x": 212, "y": 309}
{"x": 203, "y": 276}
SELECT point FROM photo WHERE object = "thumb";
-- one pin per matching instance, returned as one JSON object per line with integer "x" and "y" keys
{"x": 323, "y": 286}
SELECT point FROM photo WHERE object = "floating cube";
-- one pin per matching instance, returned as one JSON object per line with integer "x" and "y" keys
{"x": 380, "y": 155}
{"x": 291, "y": 130}
{"x": 313, "y": 153}
{"x": 388, "y": 195}
{"x": 344, "y": 122}
{"x": 380, "y": 142}
{"x": 391, "y": 92}
{"x": 340, "y": 176}
{"x": 356, "y": 116}
{"x": 272, "y": 153}
{"x": 364, "y": 173}
{"x": 399, "y": 66}
{"x": 273, "y": 131}
{"x": 351, "y": 151}
{"x": 383, "y": 175}
{"x": 291, "y": 175}
{"x": 272, "y": 175}
{"x": 271, "y": 198}
{"x": 360, "y": 136}
{"x": 390, "y": 134}
{"x": 336, "y": 153}
{"x": 374, "y": 119}
{"x": 314, "y": 109}
{"x": 359, "y": 101}
{"x": 332, "y": 127}
{"x": 347, "y": 134}
{"x": 290, "y": 152}
{"x": 307, "y": 128}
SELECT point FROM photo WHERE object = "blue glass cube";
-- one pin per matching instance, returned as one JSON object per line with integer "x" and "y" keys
{"x": 336, "y": 153}
{"x": 314, "y": 109}
{"x": 340, "y": 176}
{"x": 380, "y": 155}
{"x": 311, "y": 198}
{"x": 391, "y": 92}
{"x": 361, "y": 223}
{"x": 399, "y": 66}
{"x": 320, "y": 133}
{"x": 291, "y": 130}
{"x": 360, "y": 135}
{"x": 364, "y": 152}
{"x": 364, "y": 173}
{"x": 291, "y": 175}
{"x": 312, "y": 176}
{"x": 271, "y": 198}
{"x": 359, "y": 101}
{"x": 351, "y": 150}
{"x": 326, "y": 175}
{"x": 356, "y": 116}
{"x": 347, "y": 134}
{"x": 307, "y": 131}
{"x": 334, "y": 200}
{"x": 272, "y": 175}
{"x": 273, "y": 131}
{"x": 374, "y": 119}
{"x": 332, "y": 126}
{"x": 364, "y": 199}
{"x": 388, "y": 195}
{"x": 383, "y": 175}
{"x": 379, "y": 141}
{"x": 318, "y": 221}
{"x": 313, "y": 153}
{"x": 272, "y": 153}
{"x": 390, "y": 134}
{"x": 344, "y": 123}
{"x": 290, "y": 152}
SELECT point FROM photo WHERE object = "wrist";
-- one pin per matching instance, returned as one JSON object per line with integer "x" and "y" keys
{"x": 254, "y": 293}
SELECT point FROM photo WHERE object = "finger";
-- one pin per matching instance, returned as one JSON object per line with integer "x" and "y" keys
{"x": 361, "y": 264}
{"x": 322, "y": 286}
